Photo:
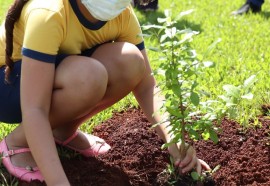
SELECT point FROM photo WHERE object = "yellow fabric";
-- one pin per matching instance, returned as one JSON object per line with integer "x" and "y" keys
{"x": 50, "y": 27}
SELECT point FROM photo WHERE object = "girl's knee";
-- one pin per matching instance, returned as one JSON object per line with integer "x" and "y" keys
{"x": 86, "y": 76}
{"x": 92, "y": 76}
{"x": 132, "y": 61}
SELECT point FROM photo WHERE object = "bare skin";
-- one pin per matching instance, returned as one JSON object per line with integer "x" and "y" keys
{"x": 118, "y": 86}
{"x": 65, "y": 119}
{"x": 56, "y": 101}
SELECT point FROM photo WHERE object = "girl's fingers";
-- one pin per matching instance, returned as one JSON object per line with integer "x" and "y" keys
{"x": 195, "y": 162}
{"x": 185, "y": 162}
{"x": 189, "y": 162}
{"x": 177, "y": 162}
{"x": 190, "y": 155}
{"x": 204, "y": 165}
{"x": 190, "y": 165}
{"x": 199, "y": 167}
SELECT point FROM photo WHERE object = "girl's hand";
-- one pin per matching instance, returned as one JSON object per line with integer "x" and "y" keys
{"x": 189, "y": 162}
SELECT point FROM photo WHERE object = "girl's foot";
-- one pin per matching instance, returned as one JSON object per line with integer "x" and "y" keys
{"x": 19, "y": 162}
{"x": 86, "y": 144}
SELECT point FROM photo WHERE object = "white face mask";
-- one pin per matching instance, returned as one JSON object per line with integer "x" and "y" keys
{"x": 105, "y": 10}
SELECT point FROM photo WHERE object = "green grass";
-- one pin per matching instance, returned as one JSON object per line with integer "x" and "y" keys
{"x": 242, "y": 52}
{"x": 4, "y": 4}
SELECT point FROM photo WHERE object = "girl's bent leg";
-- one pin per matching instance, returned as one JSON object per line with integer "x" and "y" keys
{"x": 80, "y": 83}
{"x": 83, "y": 87}
{"x": 125, "y": 67}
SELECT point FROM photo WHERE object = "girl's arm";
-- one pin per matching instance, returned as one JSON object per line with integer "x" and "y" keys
{"x": 149, "y": 99}
{"x": 37, "y": 80}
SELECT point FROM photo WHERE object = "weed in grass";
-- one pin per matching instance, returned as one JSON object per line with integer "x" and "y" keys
{"x": 237, "y": 98}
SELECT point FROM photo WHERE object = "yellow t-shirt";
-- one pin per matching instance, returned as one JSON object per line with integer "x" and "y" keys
{"x": 50, "y": 27}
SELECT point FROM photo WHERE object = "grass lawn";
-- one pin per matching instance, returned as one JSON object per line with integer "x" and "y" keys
{"x": 243, "y": 50}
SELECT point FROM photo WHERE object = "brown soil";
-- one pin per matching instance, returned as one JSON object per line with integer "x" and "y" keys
{"x": 136, "y": 158}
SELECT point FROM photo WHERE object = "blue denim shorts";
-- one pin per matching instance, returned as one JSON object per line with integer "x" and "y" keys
{"x": 10, "y": 109}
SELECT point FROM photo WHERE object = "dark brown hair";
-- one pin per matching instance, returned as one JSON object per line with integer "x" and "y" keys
{"x": 13, "y": 15}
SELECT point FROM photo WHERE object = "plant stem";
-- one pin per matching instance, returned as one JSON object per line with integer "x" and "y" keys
{"x": 183, "y": 148}
{"x": 183, "y": 141}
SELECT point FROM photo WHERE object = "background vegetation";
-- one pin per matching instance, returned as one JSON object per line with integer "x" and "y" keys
{"x": 243, "y": 50}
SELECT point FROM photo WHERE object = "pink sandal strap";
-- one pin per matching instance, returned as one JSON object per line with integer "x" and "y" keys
{"x": 13, "y": 152}
{"x": 97, "y": 148}
{"x": 67, "y": 140}
{"x": 27, "y": 173}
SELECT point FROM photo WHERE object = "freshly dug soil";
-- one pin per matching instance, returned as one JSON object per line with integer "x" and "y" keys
{"x": 137, "y": 160}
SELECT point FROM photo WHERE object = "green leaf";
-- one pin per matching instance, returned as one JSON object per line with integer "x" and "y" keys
{"x": 194, "y": 85}
{"x": 168, "y": 13}
{"x": 206, "y": 135}
{"x": 213, "y": 136}
{"x": 154, "y": 49}
{"x": 176, "y": 90}
{"x": 208, "y": 64}
{"x": 174, "y": 112}
{"x": 166, "y": 145}
{"x": 248, "y": 96}
{"x": 195, "y": 176}
{"x": 225, "y": 98}
{"x": 179, "y": 16}
{"x": 146, "y": 27}
{"x": 193, "y": 134}
{"x": 195, "y": 99}
{"x": 161, "y": 20}
{"x": 251, "y": 80}
{"x": 232, "y": 90}
{"x": 163, "y": 38}
{"x": 177, "y": 137}
{"x": 170, "y": 32}
{"x": 212, "y": 46}
{"x": 189, "y": 73}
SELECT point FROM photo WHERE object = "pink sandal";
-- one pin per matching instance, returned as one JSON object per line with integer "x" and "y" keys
{"x": 28, "y": 173}
{"x": 100, "y": 146}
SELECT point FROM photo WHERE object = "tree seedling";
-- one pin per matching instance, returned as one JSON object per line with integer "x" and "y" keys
{"x": 178, "y": 73}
